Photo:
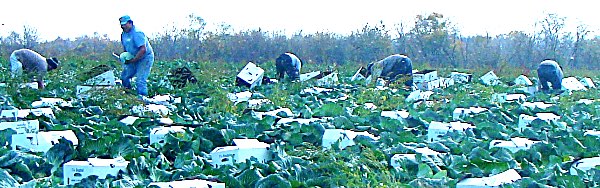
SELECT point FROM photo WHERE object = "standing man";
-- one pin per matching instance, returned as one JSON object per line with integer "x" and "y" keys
{"x": 550, "y": 72}
{"x": 392, "y": 68}
{"x": 288, "y": 63}
{"x": 32, "y": 64}
{"x": 136, "y": 43}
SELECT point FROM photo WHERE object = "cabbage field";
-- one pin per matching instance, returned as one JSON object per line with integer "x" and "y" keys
{"x": 310, "y": 134}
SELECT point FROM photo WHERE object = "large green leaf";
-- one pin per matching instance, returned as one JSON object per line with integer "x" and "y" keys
{"x": 250, "y": 177}
{"x": 6, "y": 180}
{"x": 273, "y": 180}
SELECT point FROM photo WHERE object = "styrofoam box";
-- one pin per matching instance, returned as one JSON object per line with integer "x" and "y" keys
{"x": 42, "y": 141}
{"x": 240, "y": 97}
{"x": 418, "y": 95}
{"x": 345, "y": 137}
{"x": 461, "y": 112}
{"x": 157, "y": 134}
{"x": 157, "y": 109}
{"x": 358, "y": 75}
{"x": 83, "y": 92}
{"x": 257, "y": 103}
{"x": 506, "y": 177}
{"x": 584, "y": 165}
{"x": 541, "y": 105}
{"x": 315, "y": 90}
{"x": 490, "y": 79}
{"x": 25, "y": 112}
{"x": 328, "y": 80}
{"x": 243, "y": 149}
{"x": 22, "y": 127}
{"x": 587, "y": 82}
{"x": 251, "y": 74}
{"x": 429, "y": 85}
{"x": 523, "y": 80}
{"x": 425, "y": 76}
{"x": 75, "y": 171}
{"x": 197, "y": 183}
{"x": 439, "y": 129}
{"x": 395, "y": 114}
{"x": 260, "y": 115}
{"x": 503, "y": 97}
{"x": 105, "y": 79}
{"x": 592, "y": 133}
{"x": 48, "y": 102}
{"x": 571, "y": 83}
{"x": 525, "y": 120}
{"x": 514, "y": 144}
{"x": 459, "y": 77}
{"x": 446, "y": 82}
{"x": 308, "y": 76}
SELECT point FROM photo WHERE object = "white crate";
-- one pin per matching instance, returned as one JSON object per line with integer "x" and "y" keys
{"x": 418, "y": 95}
{"x": 587, "y": 82}
{"x": 459, "y": 77}
{"x": 572, "y": 84}
{"x": 42, "y": 141}
{"x": 49, "y": 102}
{"x": 329, "y": 80}
{"x": 459, "y": 113}
{"x": 425, "y": 76}
{"x": 141, "y": 110}
{"x": 584, "y": 165}
{"x": 75, "y": 171}
{"x": 395, "y": 114}
{"x": 105, "y": 79}
{"x": 514, "y": 144}
{"x": 358, "y": 75}
{"x": 22, "y": 127}
{"x": 504, "y": 97}
{"x": 25, "y": 112}
{"x": 251, "y": 75}
{"x": 429, "y": 85}
{"x": 522, "y": 80}
{"x": 506, "y": 177}
{"x": 525, "y": 120}
{"x": 436, "y": 130}
{"x": 157, "y": 134}
{"x": 345, "y": 137}
{"x": 446, "y": 82}
{"x": 490, "y": 79}
{"x": 243, "y": 149}
{"x": 308, "y": 76}
{"x": 197, "y": 183}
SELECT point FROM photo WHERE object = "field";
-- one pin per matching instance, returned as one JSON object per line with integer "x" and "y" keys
{"x": 299, "y": 158}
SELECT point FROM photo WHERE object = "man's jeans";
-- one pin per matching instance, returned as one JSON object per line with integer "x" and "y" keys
{"x": 548, "y": 73}
{"x": 141, "y": 70}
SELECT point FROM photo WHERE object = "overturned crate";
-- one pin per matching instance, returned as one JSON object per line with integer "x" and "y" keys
{"x": 96, "y": 79}
{"x": 250, "y": 76}
{"x": 426, "y": 79}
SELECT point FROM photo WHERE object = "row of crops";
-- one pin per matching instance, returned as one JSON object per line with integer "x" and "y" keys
{"x": 315, "y": 133}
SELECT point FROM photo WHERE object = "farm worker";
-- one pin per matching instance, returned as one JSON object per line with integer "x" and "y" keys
{"x": 32, "y": 64}
{"x": 392, "y": 68}
{"x": 288, "y": 63}
{"x": 550, "y": 71}
{"x": 137, "y": 57}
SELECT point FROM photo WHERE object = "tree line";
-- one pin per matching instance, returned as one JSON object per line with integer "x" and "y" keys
{"x": 433, "y": 41}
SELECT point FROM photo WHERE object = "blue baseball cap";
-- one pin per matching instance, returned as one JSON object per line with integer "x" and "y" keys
{"x": 124, "y": 19}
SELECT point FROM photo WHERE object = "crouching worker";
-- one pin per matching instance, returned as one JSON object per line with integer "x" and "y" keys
{"x": 549, "y": 72}
{"x": 394, "y": 68}
{"x": 32, "y": 64}
{"x": 289, "y": 64}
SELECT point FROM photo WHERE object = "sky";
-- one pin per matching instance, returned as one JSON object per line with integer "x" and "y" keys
{"x": 75, "y": 18}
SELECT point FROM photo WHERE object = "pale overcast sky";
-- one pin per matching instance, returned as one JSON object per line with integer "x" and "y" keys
{"x": 73, "y": 18}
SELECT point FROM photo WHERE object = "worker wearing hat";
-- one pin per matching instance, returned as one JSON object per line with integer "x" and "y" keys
{"x": 137, "y": 57}
{"x": 32, "y": 64}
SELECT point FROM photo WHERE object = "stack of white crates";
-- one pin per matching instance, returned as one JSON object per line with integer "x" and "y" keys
{"x": 42, "y": 141}
{"x": 426, "y": 79}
